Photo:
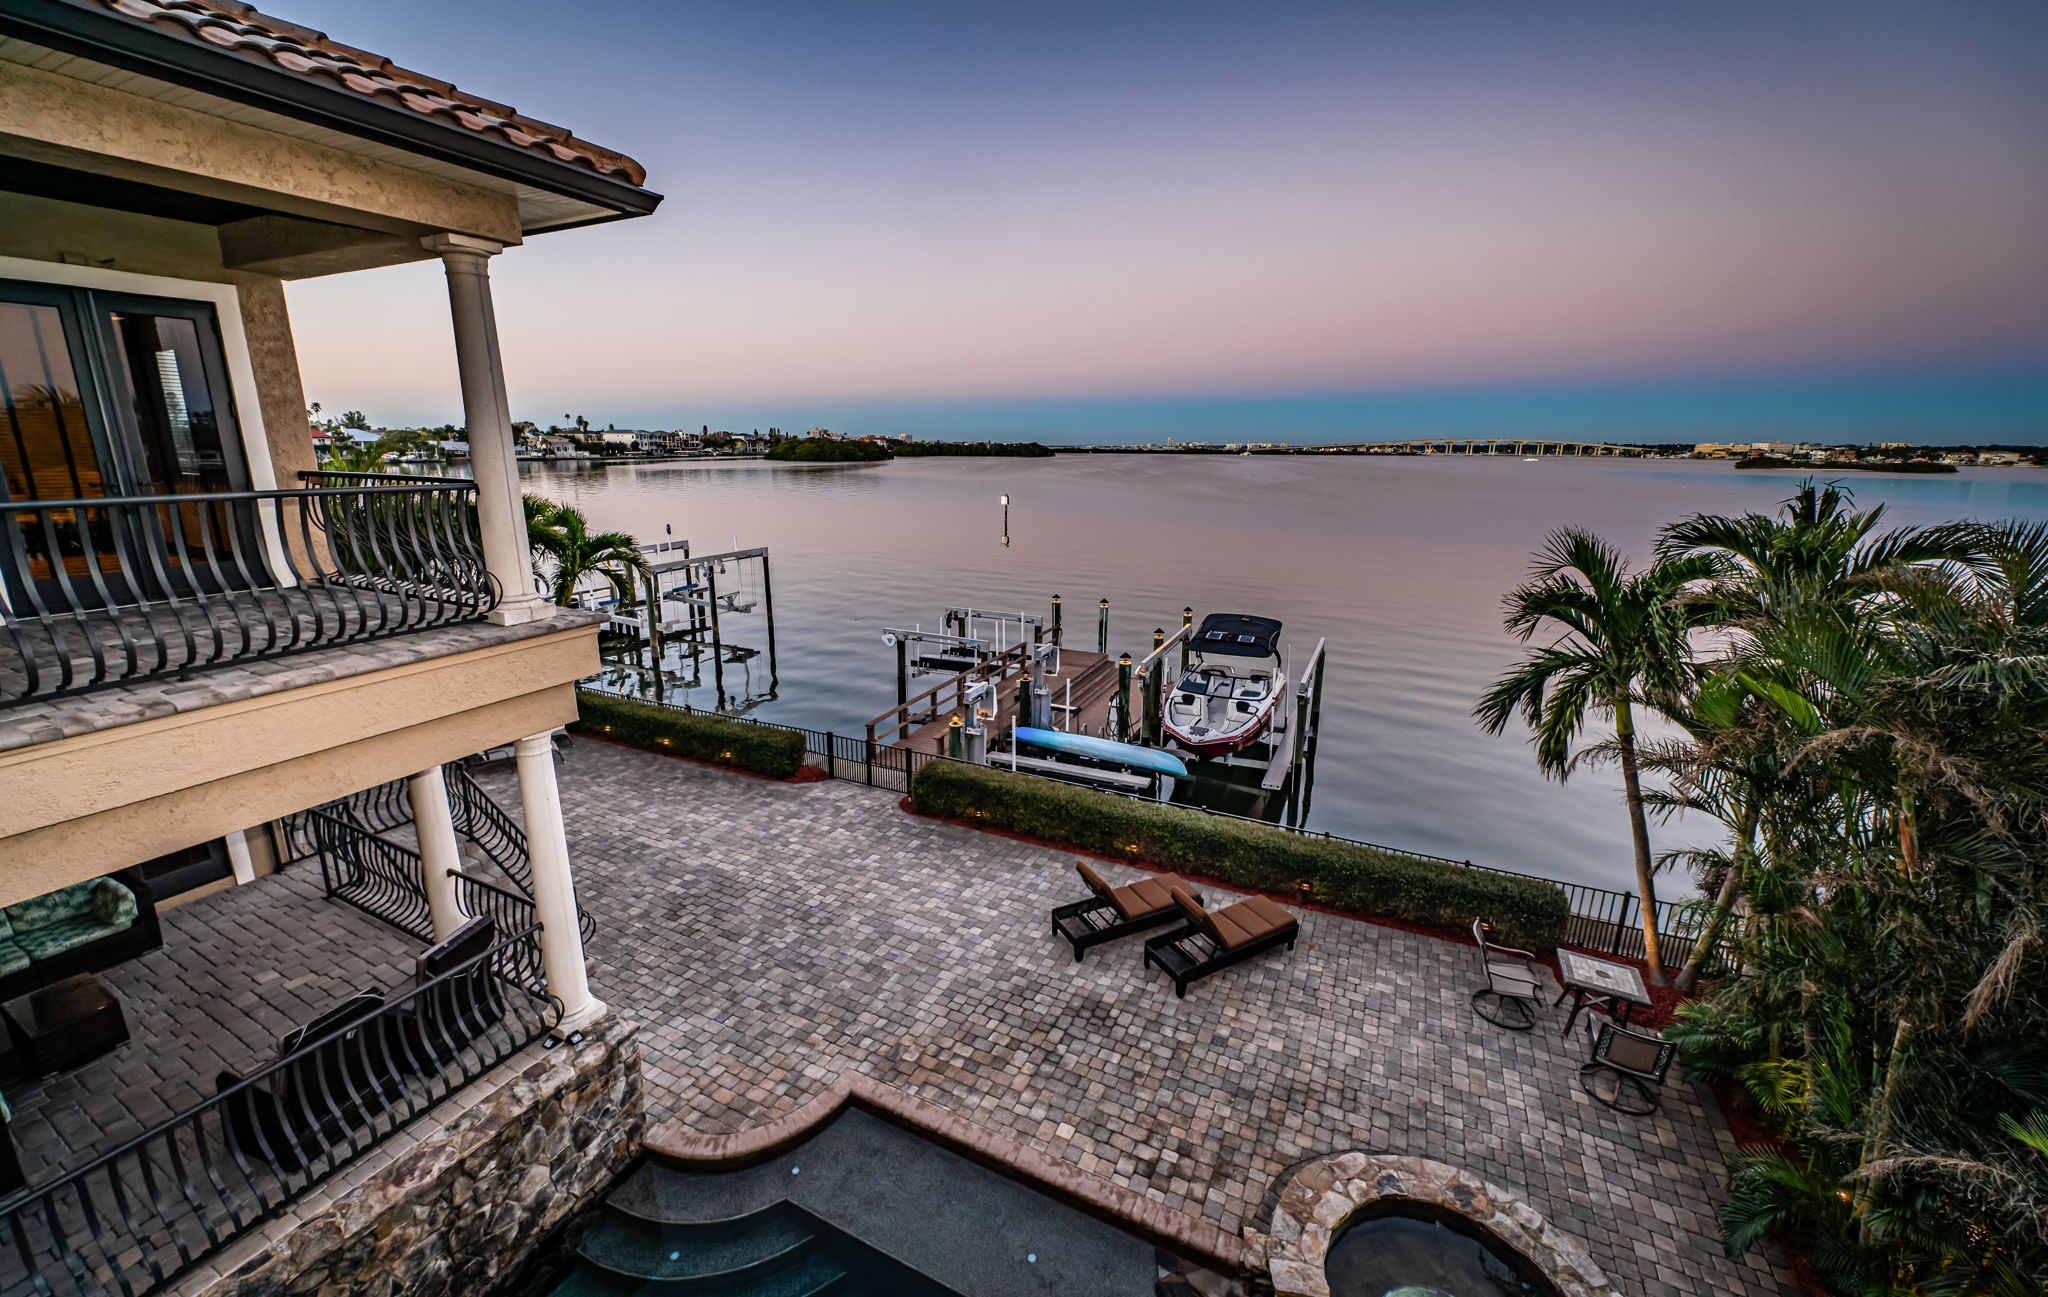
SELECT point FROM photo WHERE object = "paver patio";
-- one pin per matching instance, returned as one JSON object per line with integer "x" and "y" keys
{"x": 771, "y": 936}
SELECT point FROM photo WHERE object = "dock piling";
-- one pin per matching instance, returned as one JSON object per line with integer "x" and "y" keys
{"x": 1187, "y": 636}
{"x": 1123, "y": 696}
{"x": 1102, "y": 629}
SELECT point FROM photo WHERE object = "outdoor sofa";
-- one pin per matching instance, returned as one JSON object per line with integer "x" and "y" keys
{"x": 83, "y": 928}
{"x": 1216, "y": 940}
{"x": 1113, "y": 912}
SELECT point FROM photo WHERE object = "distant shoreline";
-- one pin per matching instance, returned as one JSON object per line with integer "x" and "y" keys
{"x": 1854, "y": 466}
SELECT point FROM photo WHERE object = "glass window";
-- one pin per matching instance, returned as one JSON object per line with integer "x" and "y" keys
{"x": 174, "y": 413}
{"x": 46, "y": 446}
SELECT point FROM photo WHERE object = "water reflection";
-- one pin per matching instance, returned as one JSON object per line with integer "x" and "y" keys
{"x": 1399, "y": 562}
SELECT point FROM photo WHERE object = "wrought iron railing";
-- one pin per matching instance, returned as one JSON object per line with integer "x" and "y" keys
{"x": 134, "y": 1220}
{"x": 1602, "y": 918}
{"x": 386, "y": 808}
{"x": 95, "y": 592}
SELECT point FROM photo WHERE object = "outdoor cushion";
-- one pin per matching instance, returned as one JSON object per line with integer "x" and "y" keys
{"x": 53, "y": 907}
{"x": 65, "y": 934}
{"x": 113, "y": 904}
{"x": 1236, "y": 925}
{"x": 1146, "y": 896}
{"x": 12, "y": 957}
{"x": 6, "y": 928}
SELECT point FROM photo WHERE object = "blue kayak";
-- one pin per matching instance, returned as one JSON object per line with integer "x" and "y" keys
{"x": 1109, "y": 750}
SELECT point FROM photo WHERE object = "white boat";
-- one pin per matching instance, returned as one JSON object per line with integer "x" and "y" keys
{"x": 1234, "y": 680}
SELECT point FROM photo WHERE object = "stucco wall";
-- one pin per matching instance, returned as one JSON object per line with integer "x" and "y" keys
{"x": 44, "y": 229}
{"x": 79, "y": 124}
{"x": 87, "y": 805}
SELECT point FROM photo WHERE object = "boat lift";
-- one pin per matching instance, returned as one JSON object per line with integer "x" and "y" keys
{"x": 680, "y": 601}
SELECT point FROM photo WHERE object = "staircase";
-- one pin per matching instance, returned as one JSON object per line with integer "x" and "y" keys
{"x": 639, "y": 1245}
{"x": 491, "y": 843}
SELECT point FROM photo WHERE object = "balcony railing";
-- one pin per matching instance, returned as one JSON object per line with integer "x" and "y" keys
{"x": 134, "y": 1220}
{"x": 99, "y": 592}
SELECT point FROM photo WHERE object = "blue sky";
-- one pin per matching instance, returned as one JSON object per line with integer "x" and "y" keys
{"x": 1293, "y": 222}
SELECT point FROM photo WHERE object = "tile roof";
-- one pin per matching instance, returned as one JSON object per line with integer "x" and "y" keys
{"x": 241, "y": 30}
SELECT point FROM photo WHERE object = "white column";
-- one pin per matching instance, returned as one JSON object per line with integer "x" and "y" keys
{"x": 554, "y": 889}
{"x": 238, "y": 857}
{"x": 492, "y": 458}
{"x": 435, "y": 825}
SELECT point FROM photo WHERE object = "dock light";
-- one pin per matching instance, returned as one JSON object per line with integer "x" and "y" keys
{"x": 1006, "y": 499}
{"x": 1103, "y": 605}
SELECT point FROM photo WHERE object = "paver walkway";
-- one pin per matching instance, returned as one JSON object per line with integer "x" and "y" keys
{"x": 237, "y": 970}
{"x": 770, "y": 936}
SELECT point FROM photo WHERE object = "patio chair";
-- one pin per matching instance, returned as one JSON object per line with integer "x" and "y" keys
{"x": 1113, "y": 912}
{"x": 1628, "y": 1065}
{"x": 1514, "y": 982}
{"x": 1216, "y": 940}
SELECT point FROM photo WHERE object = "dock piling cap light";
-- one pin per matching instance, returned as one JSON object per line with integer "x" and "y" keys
{"x": 1105, "y": 603}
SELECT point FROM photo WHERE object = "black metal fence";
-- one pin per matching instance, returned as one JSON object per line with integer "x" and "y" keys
{"x": 138, "y": 1217}
{"x": 102, "y": 591}
{"x": 1602, "y": 919}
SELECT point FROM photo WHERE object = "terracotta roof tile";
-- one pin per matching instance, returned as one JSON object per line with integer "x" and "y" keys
{"x": 241, "y": 30}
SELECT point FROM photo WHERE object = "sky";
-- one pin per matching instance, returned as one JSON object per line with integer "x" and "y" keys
{"x": 1306, "y": 222}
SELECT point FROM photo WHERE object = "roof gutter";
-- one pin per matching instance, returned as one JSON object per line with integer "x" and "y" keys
{"x": 133, "y": 47}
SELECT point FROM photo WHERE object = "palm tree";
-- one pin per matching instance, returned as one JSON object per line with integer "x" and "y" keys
{"x": 566, "y": 551}
{"x": 1819, "y": 551}
{"x": 1624, "y": 644}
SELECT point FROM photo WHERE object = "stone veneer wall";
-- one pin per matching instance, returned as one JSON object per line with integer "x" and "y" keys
{"x": 455, "y": 1207}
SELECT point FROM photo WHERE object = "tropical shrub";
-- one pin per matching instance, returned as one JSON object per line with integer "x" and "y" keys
{"x": 1354, "y": 879}
{"x": 1873, "y": 727}
{"x": 758, "y": 749}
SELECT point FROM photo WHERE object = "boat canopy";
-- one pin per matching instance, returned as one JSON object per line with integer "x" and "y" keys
{"x": 1236, "y": 634}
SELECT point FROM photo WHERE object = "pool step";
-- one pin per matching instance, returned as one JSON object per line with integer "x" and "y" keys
{"x": 806, "y": 1273}
{"x": 631, "y": 1244}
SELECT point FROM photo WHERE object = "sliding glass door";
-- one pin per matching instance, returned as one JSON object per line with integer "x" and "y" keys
{"x": 105, "y": 395}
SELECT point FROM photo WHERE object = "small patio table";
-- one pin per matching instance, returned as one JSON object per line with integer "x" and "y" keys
{"x": 1599, "y": 983}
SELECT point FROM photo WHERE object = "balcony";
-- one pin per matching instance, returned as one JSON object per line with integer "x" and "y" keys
{"x": 123, "y": 593}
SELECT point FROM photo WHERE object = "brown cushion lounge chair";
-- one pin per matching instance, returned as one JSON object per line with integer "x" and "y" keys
{"x": 1218, "y": 939}
{"x": 1112, "y": 912}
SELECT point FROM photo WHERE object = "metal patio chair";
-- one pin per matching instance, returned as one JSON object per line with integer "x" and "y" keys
{"x": 1513, "y": 993}
{"x": 1628, "y": 1066}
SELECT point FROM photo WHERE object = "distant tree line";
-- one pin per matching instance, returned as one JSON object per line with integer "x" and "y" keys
{"x": 982, "y": 449}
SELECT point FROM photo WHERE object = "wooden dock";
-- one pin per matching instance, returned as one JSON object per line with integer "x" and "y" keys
{"x": 1086, "y": 677}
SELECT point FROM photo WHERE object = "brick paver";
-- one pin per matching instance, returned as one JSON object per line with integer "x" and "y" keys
{"x": 772, "y": 936}
{"x": 237, "y": 970}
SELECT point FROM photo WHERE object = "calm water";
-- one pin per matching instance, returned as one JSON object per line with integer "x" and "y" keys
{"x": 1400, "y": 562}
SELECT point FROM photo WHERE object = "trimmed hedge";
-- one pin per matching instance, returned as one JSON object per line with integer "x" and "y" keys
{"x": 1351, "y": 878}
{"x": 760, "y": 749}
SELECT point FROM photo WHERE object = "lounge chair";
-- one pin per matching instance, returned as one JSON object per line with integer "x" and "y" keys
{"x": 1112, "y": 912}
{"x": 1627, "y": 1063}
{"x": 1214, "y": 940}
{"x": 1514, "y": 982}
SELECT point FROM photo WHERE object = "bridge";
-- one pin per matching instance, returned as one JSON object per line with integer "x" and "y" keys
{"x": 1477, "y": 446}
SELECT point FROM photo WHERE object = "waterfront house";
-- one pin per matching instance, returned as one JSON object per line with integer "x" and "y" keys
{"x": 205, "y": 640}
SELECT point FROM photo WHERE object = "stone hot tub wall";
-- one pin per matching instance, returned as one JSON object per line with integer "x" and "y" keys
{"x": 453, "y": 1205}
{"x": 1328, "y": 1192}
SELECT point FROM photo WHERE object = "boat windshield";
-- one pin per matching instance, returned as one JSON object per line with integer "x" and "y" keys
{"x": 1216, "y": 684}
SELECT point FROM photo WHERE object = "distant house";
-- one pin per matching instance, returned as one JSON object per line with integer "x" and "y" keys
{"x": 1719, "y": 450}
{"x": 1998, "y": 457}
